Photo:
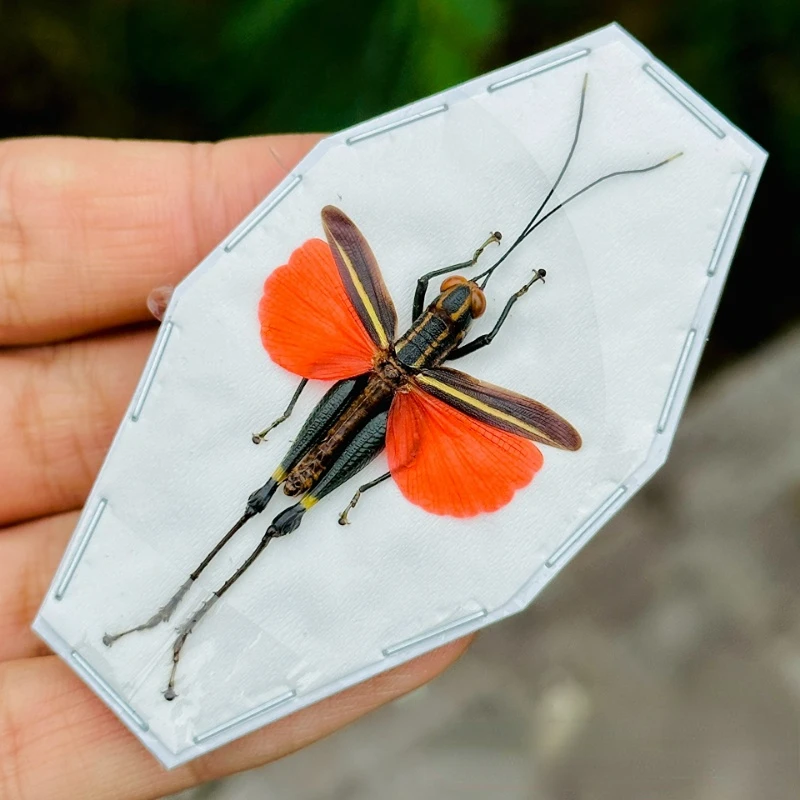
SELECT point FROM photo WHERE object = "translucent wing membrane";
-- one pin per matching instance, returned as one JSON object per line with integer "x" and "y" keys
{"x": 361, "y": 276}
{"x": 308, "y": 324}
{"x": 450, "y": 463}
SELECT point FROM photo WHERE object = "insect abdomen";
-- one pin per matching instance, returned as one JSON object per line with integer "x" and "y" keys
{"x": 369, "y": 441}
{"x": 361, "y": 408}
{"x": 320, "y": 420}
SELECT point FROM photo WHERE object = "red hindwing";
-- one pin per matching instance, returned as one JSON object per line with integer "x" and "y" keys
{"x": 450, "y": 463}
{"x": 308, "y": 324}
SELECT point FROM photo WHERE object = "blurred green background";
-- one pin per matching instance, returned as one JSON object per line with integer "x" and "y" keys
{"x": 204, "y": 70}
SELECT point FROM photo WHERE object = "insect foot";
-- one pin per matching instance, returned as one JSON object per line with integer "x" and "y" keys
{"x": 494, "y": 238}
{"x": 343, "y": 518}
{"x": 257, "y": 438}
{"x": 538, "y": 275}
{"x": 351, "y": 505}
{"x": 183, "y": 634}
{"x": 162, "y": 615}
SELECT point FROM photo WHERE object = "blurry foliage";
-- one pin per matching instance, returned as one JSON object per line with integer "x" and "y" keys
{"x": 743, "y": 58}
{"x": 197, "y": 69}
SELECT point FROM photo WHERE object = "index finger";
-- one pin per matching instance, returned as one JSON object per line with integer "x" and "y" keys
{"x": 88, "y": 227}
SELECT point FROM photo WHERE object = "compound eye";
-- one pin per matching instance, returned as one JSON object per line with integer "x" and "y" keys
{"x": 449, "y": 283}
{"x": 477, "y": 302}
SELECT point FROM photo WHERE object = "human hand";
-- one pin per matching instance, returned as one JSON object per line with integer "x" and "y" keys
{"x": 87, "y": 229}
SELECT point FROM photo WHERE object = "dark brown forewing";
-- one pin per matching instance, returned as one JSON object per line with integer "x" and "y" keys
{"x": 361, "y": 276}
{"x": 500, "y": 407}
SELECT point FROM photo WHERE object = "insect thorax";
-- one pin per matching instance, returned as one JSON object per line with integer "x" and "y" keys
{"x": 431, "y": 338}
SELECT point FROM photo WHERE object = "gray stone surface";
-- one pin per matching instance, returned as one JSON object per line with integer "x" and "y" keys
{"x": 662, "y": 664}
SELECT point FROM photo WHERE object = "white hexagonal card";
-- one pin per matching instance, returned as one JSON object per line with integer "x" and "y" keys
{"x": 495, "y": 480}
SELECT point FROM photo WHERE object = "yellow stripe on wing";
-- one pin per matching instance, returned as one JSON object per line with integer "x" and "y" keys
{"x": 484, "y": 407}
{"x": 373, "y": 314}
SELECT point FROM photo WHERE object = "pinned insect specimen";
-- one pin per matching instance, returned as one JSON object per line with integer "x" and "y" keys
{"x": 455, "y": 445}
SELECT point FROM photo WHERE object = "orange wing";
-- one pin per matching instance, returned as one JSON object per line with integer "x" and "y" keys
{"x": 450, "y": 463}
{"x": 308, "y": 324}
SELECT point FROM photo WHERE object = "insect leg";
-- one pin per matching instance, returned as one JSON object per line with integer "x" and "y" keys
{"x": 318, "y": 422}
{"x": 189, "y": 625}
{"x": 422, "y": 283}
{"x": 369, "y": 441}
{"x": 256, "y": 503}
{"x": 486, "y": 338}
{"x": 259, "y": 437}
{"x": 357, "y": 496}
{"x": 286, "y": 522}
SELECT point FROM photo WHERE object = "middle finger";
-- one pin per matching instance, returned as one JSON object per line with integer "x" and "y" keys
{"x": 60, "y": 406}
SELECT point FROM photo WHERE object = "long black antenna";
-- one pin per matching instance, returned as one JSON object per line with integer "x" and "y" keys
{"x": 535, "y": 222}
{"x": 533, "y": 219}
{"x": 586, "y": 188}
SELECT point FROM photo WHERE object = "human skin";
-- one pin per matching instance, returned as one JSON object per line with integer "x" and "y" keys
{"x": 87, "y": 229}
